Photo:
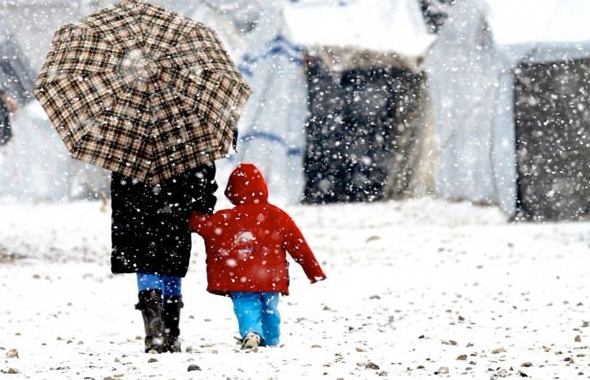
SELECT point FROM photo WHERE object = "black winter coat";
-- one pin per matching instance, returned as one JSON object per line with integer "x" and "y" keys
{"x": 149, "y": 229}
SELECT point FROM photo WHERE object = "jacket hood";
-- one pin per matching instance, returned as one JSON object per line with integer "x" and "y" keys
{"x": 246, "y": 185}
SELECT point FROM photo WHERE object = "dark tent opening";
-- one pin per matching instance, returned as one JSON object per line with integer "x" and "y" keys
{"x": 361, "y": 131}
{"x": 552, "y": 122}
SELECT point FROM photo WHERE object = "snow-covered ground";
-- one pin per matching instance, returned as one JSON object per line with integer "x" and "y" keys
{"x": 416, "y": 289}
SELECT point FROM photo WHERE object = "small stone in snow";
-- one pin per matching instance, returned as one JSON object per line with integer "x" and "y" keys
{"x": 12, "y": 353}
{"x": 371, "y": 365}
{"x": 500, "y": 373}
{"x": 442, "y": 371}
{"x": 193, "y": 367}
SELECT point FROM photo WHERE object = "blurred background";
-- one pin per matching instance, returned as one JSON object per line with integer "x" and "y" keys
{"x": 360, "y": 101}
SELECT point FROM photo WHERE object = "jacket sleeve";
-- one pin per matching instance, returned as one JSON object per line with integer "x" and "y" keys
{"x": 297, "y": 246}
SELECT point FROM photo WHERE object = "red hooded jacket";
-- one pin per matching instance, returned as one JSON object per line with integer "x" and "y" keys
{"x": 247, "y": 245}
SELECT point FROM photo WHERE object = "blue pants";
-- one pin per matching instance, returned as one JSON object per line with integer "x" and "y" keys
{"x": 169, "y": 285}
{"x": 257, "y": 312}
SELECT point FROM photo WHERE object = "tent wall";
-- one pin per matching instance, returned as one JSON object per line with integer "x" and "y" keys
{"x": 473, "y": 161}
{"x": 16, "y": 74}
{"x": 503, "y": 154}
{"x": 411, "y": 174}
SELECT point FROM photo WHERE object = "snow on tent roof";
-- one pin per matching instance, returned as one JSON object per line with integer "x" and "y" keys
{"x": 384, "y": 26}
{"x": 560, "y": 25}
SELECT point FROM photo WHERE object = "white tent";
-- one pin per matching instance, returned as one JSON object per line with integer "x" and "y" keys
{"x": 471, "y": 71}
{"x": 35, "y": 165}
{"x": 271, "y": 128}
{"x": 367, "y": 98}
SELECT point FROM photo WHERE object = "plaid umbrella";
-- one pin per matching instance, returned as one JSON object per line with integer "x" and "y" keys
{"x": 140, "y": 90}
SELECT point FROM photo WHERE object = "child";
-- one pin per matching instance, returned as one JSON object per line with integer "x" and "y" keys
{"x": 246, "y": 255}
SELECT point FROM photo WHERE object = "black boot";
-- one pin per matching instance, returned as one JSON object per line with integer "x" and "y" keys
{"x": 172, "y": 306}
{"x": 150, "y": 305}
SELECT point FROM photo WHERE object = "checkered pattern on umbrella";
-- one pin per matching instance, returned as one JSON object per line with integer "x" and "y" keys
{"x": 140, "y": 90}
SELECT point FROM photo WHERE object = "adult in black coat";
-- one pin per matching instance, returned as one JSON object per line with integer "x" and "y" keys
{"x": 150, "y": 237}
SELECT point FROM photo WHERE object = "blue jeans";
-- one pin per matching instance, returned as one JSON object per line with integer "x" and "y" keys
{"x": 169, "y": 285}
{"x": 257, "y": 312}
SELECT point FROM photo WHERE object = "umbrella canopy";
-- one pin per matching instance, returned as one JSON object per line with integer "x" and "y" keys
{"x": 140, "y": 90}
